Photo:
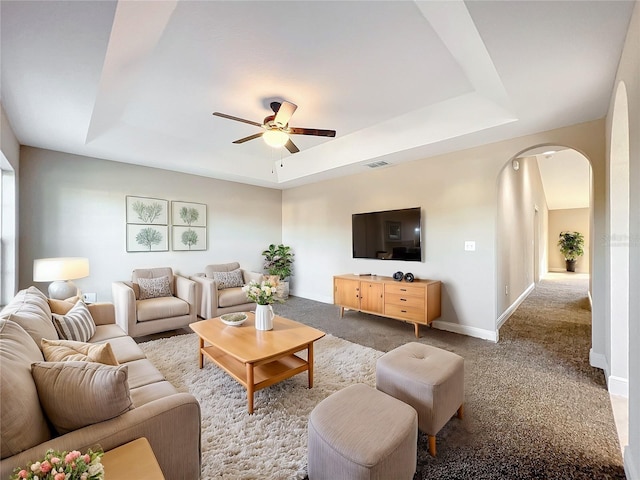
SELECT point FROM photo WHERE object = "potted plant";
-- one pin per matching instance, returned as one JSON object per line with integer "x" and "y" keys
{"x": 571, "y": 246}
{"x": 278, "y": 262}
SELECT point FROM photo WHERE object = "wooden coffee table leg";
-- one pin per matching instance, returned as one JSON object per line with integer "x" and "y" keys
{"x": 200, "y": 354}
{"x": 310, "y": 361}
{"x": 250, "y": 387}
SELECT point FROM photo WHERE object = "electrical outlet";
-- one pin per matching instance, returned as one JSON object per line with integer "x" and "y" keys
{"x": 470, "y": 246}
{"x": 90, "y": 297}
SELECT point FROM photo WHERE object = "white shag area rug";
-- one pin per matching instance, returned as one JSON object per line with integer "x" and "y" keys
{"x": 271, "y": 443}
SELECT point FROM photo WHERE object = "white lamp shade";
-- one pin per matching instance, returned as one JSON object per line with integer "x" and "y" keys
{"x": 63, "y": 268}
{"x": 275, "y": 138}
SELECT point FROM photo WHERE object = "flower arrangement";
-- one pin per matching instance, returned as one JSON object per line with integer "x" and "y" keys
{"x": 64, "y": 466}
{"x": 263, "y": 293}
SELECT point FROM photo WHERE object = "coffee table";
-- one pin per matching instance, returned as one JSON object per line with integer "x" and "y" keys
{"x": 255, "y": 358}
{"x": 132, "y": 460}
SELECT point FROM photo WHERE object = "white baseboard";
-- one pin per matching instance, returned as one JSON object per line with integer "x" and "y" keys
{"x": 512, "y": 308}
{"x": 618, "y": 386}
{"x": 465, "y": 330}
{"x": 598, "y": 360}
{"x": 630, "y": 466}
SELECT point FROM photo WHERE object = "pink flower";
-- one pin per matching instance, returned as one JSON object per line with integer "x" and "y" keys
{"x": 71, "y": 456}
{"x": 86, "y": 458}
{"x": 59, "y": 476}
{"x": 55, "y": 460}
{"x": 23, "y": 474}
{"x": 45, "y": 467}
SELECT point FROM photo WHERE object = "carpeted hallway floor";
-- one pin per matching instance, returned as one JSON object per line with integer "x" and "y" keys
{"x": 534, "y": 409}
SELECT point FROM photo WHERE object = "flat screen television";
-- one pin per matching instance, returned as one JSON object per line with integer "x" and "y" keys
{"x": 388, "y": 235}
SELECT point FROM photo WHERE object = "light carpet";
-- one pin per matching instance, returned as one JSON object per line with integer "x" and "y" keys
{"x": 271, "y": 443}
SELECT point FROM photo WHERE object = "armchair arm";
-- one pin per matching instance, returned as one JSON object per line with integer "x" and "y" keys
{"x": 207, "y": 295}
{"x": 251, "y": 276}
{"x": 124, "y": 302}
{"x": 186, "y": 290}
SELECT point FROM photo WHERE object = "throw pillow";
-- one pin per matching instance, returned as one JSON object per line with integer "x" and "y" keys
{"x": 154, "y": 287}
{"x": 70, "y": 350}
{"x": 62, "y": 307}
{"x": 76, "y": 325}
{"x": 228, "y": 279}
{"x": 76, "y": 394}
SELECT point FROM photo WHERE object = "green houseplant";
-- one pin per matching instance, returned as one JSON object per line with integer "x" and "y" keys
{"x": 279, "y": 262}
{"x": 571, "y": 246}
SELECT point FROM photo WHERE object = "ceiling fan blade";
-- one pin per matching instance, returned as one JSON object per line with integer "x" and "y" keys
{"x": 237, "y": 119}
{"x": 312, "y": 131}
{"x": 291, "y": 147}
{"x": 283, "y": 115}
{"x": 250, "y": 137}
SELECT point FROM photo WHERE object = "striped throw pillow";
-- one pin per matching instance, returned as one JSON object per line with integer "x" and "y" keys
{"x": 77, "y": 324}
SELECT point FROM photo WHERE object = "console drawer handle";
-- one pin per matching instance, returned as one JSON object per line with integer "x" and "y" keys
{"x": 403, "y": 299}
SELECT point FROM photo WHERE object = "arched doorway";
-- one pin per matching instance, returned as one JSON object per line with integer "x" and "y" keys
{"x": 532, "y": 211}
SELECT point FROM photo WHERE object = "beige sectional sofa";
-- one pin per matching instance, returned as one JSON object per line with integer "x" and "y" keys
{"x": 156, "y": 410}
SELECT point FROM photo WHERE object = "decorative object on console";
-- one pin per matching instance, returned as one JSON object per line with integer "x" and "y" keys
{"x": 408, "y": 277}
{"x": 189, "y": 226}
{"x": 147, "y": 224}
{"x": 398, "y": 276}
{"x": 264, "y": 294}
{"x": 60, "y": 271}
{"x": 264, "y": 317}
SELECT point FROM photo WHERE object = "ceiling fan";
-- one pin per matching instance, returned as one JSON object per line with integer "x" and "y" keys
{"x": 276, "y": 127}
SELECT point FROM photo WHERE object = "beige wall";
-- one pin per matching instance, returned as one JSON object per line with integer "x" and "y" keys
{"x": 458, "y": 194}
{"x": 75, "y": 206}
{"x": 572, "y": 220}
{"x": 629, "y": 74}
{"x": 521, "y": 204}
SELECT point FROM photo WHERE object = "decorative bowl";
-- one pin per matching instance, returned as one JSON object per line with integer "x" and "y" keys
{"x": 233, "y": 319}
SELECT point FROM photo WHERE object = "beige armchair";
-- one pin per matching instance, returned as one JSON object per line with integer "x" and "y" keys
{"x": 151, "y": 303}
{"x": 219, "y": 289}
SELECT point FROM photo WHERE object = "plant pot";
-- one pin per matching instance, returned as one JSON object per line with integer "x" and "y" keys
{"x": 283, "y": 289}
{"x": 571, "y": 265}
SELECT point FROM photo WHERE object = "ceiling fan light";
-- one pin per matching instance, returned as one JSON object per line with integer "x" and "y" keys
{"x": 275, "y": 138}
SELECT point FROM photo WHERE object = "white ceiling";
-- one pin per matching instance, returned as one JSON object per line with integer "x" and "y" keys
{"x": 566, "y": 179}
{"x": 137, "y": 81}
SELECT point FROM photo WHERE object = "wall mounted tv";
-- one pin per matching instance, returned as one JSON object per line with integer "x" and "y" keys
{"x": 388, "y": 235}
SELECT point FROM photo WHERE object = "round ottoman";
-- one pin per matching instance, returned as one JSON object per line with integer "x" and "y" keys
{"x": 429, "y": 379}
{"x": 362, "y": 433}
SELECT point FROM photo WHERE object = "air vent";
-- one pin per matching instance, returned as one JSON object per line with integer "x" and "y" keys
{"x": 377, "y": 164}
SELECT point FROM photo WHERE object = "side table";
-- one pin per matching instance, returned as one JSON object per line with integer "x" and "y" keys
{"x": 132, "y": 460}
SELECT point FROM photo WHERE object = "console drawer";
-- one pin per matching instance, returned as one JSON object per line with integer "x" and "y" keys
{"x": 405, "y": 312}
{"x": 404, "y": 300}
{"x": 404, "y": 290}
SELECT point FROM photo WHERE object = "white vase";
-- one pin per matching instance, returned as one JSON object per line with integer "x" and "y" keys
{"x": 264, "y": 317}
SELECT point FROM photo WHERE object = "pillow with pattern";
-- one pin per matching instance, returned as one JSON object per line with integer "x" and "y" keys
{"x": 228, "y": 279}
{"x": 77, "y": 324}
{"x": 154, "y": 287}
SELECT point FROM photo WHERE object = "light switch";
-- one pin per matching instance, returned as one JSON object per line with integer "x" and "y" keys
{"x": 470, "y": 246}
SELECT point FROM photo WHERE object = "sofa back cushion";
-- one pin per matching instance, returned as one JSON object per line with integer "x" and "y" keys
{"x": 151, "y": 273}
{"x": 22, "y": 421}
{"x": 220, "y": 267}
{"x": 30, "y": 309}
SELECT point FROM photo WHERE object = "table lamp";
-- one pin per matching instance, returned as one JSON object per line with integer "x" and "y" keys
{"x": 59, "y": 271}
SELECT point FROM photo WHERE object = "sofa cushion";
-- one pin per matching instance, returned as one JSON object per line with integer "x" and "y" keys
{"x": 154, "y": 287}
{"x": 107, "y": 332}
{"x": 85, "y": 392}
{"x": 228, "y": 279}
{"x": 30, "y": 309}
{"x": 22, "y": 421}
{"x": 77, "y": 324}
{"x": 231, "y": 297}
{"x": 126, "y": 350}
{"x": 163, "y": 307}
{"x": 143, "y": 372}
{"x": 151, "y": 392}
{"x": 220, "y": 267}
{"x": 69, "y": 351}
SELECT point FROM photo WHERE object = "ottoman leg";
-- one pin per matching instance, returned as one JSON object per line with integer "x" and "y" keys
{"x": 432, "y": 445}
{"x": 461, "y": 412}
